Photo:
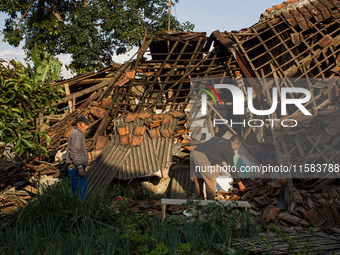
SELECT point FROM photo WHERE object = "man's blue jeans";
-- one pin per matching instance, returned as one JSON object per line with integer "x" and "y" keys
{"x": 79, "y": 184}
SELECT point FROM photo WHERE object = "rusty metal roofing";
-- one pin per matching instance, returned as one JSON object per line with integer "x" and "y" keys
{"x": 106, "y": 167}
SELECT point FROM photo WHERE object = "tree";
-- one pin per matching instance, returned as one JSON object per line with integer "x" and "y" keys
{"x": 22, "y": 100}
{"x": 91, "y": 30}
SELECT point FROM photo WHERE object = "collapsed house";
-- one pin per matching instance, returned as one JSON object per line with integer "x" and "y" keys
{"x": 140, "y": 120}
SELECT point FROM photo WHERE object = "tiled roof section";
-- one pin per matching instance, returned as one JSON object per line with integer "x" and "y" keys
{"x": 151, "y": 155}
{"x": 297, "y": 11}
{"x": 142, "y": 160}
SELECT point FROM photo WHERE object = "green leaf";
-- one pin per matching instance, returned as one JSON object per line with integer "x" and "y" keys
{"x": 28, "y": 143}
{"x": 47, "y": 139}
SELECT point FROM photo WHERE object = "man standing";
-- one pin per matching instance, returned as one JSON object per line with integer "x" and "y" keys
{"x": 77, "y": 158}
{"x": 207, "y": 157}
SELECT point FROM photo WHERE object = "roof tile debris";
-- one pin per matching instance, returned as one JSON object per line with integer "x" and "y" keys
{"x": 298, "y": 39}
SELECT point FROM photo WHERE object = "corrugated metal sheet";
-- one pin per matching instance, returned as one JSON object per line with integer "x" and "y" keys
{"x": 180, "y": 184}
{"x": 163, "y": 146}
{"x": 106, "y": 167}
{"x": 127, "y": 162}
{"x": 151, "y": 156}
{"x": 141, "y": 160}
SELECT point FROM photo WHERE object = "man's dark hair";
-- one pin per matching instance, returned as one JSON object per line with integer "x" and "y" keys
{"x": 236, "y": 139}
{"x": 82, "y": 119}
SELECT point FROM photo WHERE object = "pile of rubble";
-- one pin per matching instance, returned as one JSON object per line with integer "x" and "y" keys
{"x": 140, "y": 121}
{"x": 20, "y": 183}
{"x": 309, "y": 209}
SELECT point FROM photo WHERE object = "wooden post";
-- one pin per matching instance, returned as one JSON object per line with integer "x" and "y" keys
{"x": 67, "y": 92}
{"x": 163, "y": 211}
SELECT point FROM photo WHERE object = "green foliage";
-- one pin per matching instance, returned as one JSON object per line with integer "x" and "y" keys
{"x": 46, "y": 68}
{"x": 184, "y": 249}
{"x": 56, "y": 222}
{"x": 160, "y": 250}
{"x": 22, "y": 101}
{"x": 89, "y": 30}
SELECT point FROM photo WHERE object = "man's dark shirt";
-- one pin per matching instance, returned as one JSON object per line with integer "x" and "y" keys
{"x": 217, "y": 150}
{"x": 76, "y": 149}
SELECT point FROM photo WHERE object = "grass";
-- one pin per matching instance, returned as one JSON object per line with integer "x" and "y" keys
{"x": 55, "y": 222}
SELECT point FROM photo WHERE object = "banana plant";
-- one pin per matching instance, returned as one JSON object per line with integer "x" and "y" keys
{"x": 46, "y": 67}
{"x": 22, "y": 99}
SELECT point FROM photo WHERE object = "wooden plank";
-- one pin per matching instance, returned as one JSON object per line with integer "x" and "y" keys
{"x": 219, "y": 115}
{"x": 95, "y": 80}
{"x": 194, "y": 59}
{"x": 83, "y": 92}
{"x": 228, "y": 43}
{"x": 185, "y": 75}
{"x": 67, "y": 92}
{"x": 171, "y": 201}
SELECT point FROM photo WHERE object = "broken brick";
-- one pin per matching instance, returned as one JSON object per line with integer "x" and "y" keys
{"x": 274, "y": 188}
{"x": 156, "y": 116}
{"x": 310, "y": 202}
{"x": 335, "y": 214}
{"x": 125, "y": 139}
{"x": 261, "y": 200}
{"x": 130, "y": 117}
{"x": 300, "y": 209}
{"x": 139, "y": 130}
{"x": 144, "y": 115}
{"x": 123, "y": 130}
{"x": 304, "y": 223}
{"x": 250, "y": 194}
{"x": 270, "y": 213}
{"x": 338, "y": 59}
{"x": 296, "y": 39}
{"x": 289, "y": 218}
{"x": 291, "y": 1}
{"x": 314, "y": 217}
{"x": 279, "y": 6}
{"x": 137, "y": 140}
{"x": 298, "y": 198}
{"x": 167, "y": 132}
{"x": 154, "y": 133}
{"x": 326, "y": 214}
{"x": 326, "y": 41}
{"x": 97, "y": 112}
{"x": 270, "y": 10}
{"x": 166, "y": 118}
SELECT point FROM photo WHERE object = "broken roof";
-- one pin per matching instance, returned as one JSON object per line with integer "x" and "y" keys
{"x": 297, "y": 39}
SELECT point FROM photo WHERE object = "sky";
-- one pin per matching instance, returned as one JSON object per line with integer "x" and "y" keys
{"x": 206, "y": 15}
